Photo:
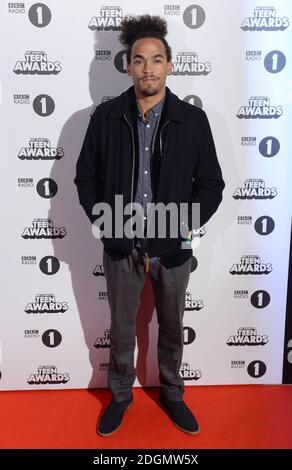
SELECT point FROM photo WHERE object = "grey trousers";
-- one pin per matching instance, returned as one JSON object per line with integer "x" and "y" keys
{"x": 125, "y": 280}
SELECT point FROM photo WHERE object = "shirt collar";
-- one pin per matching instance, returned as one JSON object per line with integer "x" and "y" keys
{"x": 156, "y": 109}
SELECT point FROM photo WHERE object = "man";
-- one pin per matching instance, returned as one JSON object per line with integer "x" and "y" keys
{"x": 148, "y": 146}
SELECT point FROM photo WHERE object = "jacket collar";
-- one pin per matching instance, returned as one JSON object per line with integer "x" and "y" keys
{"x": 126, "y": 102}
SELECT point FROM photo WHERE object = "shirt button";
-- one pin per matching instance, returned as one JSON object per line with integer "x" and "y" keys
{"x": 146, "y": 148}
{"x": 145, "y": 195}
{"x": 156, "y": 114}
{"x": 145, "y": 172}
{"x": 147, "y": 125}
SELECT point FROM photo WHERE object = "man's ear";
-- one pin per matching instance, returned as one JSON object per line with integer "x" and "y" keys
{"x": 128, "y": 70}
{"x": 169, "y": 71}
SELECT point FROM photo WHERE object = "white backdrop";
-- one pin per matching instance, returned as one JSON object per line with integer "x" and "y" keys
{"x": 58, "y": 60}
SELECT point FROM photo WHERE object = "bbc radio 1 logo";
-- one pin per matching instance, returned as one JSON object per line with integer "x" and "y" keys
{"x": 268, "y": 147}
{"x": 31, "y": 334}
{"x": 237, "y": 364}
{"x": 259, "y": 299}
{"x": 25, "y": 182}
{"x": 191, "y": 304}
{"x": 46, "y": 303}
{"x": 240, "y": 294}
{"x": 187, "y": 373}
{"x": 274, "y": 61}
{"x": 46, "y": 187}
{"x": 247, "y": 336}
{"x": 36, "y": 63}
{"x": 265, "y": 19}
{"x": 253, "y": 55}
{"x": 16, "y": 7}
{"x": 103, "y": 54}
{"x": 244, "y": 219}
{"x": 188, "y": 63}
{"x": 48, "y": 265}
{"x": 40, "y": 148}
{"x": 255, "y": 369}
{"x": 43, "y": 228}
{"x": 103, "y": 342}
{"x": 189, "y": 335}
{"x": 263, "y": 225}
{"x": 109, "y": 18}
{"x": 21, "y": 98}
{"x": 248, "y": 141}
{"x": 43, "y": 104}
{"x": 39, "y": 15}
{"x": 48, "y": 375}
{"x": 259, "y": 107}
{"x": 29, "y": 260}
{"x": 194, "y": 16}
{"x": 171, "y": 10}
{"x": 251, "y": 264}
{"x": 50, "y": 338}
{"x": 255, "y": 188}
{"x": 98, "y": 270}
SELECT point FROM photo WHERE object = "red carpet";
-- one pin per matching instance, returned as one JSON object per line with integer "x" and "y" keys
{"x": 249, "y": 416}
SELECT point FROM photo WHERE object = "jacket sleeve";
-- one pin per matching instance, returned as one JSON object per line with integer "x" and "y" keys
{"x": 208, "y": 184}
{"x": 89, "y": 170}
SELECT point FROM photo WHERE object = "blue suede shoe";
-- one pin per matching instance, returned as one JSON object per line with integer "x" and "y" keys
{"x": 112, "y": 418}
{"x": 180, "y": 414}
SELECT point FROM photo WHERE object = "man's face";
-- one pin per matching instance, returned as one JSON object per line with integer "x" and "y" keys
{"x": 149, "y": 67}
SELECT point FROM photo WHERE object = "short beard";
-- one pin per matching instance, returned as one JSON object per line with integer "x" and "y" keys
{"x": 149, "y": 91}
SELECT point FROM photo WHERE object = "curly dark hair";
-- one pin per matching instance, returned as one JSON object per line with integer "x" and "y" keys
{"x": 145, "y": 26}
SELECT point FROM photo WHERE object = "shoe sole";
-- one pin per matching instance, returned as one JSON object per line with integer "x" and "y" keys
{"x": 113, "y": 432}
{"x": 184, "y": 430}
{"x": 176, "y": 425}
